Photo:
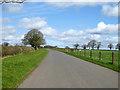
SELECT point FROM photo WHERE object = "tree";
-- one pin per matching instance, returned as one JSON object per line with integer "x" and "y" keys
{"x": 84, "y": 46}
{"x": 93, "y": 43}
{"x": 118, "y": 46}
{"x": 66, "y": 47}
{"x": 98, "y": 45}
{"x": 33, "y": 38}
{"x": 5, "y": 44}
{"x": 76, "y": 46}
{"x": 110, "y": 46}
{"x": 89, "y": 45}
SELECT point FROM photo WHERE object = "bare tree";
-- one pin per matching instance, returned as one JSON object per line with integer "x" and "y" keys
{"x": 76, "y": 46}
{"x": 110, "y": 46}
{"x": 34, "y": 38}
{"x": 84, "y": 46}
{"x": 98, "y": 45}
{"x": 93, "y": 43}
{"x": 118, "y": 46}
{"x": 89, "y": 45}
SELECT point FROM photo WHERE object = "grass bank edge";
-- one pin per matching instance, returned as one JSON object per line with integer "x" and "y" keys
{"x": 41, "y": 54}
{"x": 114, "y": 68}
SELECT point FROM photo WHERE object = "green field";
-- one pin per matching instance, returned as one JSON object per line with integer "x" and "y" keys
{"x": 16, "y": 68}
{"x": 105, "y": 60}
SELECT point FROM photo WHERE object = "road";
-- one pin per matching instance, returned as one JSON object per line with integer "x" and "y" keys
{"x": 59, "y": 70}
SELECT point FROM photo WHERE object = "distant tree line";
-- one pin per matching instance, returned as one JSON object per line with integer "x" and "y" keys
{"x": 35, "y": 38}
{"x": 94, "y": 44}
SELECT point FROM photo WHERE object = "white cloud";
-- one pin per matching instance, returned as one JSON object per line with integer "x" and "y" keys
{"x": 73, "y": 32}
{"x": 110, "y": 10}
{"x": 8, "y": 29}
{"x": 31, "y": 23}
{"x": 93, "y": 37}
{"x": 103, "y": 28}
{"x": 112, "y": 40}
{"x": 72, "y": 1}
{"x": 8, "y": 32}
{"x": 78, "y": 4}
{"x": 12, "y": 8}
{"x": 67, "y": 37}
{"x": 107, "y": 9}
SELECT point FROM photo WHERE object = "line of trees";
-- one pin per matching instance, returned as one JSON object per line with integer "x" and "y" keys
{"x": 94, "y": 44}
{"x": 35, "y": 38}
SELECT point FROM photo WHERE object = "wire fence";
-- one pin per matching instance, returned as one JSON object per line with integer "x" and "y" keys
{"x": 109, "y": 57}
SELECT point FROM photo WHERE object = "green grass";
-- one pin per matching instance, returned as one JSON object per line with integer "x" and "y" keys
{"x": 16, "y": 68}
{"x": 106, "y": 57}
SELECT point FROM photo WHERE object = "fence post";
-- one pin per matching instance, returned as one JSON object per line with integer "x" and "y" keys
{"x": 72, "y": 51}
{"x": 77, "y": 51}
{"x": 91, "y": 54}
{"x": 99, "y": 55}
{"x": 112, "y": 57}
{"x": 84, "y": 52}
{"x": 81, "y": 52}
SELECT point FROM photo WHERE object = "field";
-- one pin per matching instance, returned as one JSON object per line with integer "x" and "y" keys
{"x": 16, "y": 68}
{"x": 105, "y": 59}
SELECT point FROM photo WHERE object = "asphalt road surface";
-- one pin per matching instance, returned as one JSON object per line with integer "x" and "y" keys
{"x": 59, "y": 70}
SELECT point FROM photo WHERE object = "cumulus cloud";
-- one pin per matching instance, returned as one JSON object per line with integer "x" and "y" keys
{"x": 35, "y": 22}
{"x": 109, "y": 10}
{"x": 73, "y": 32}
{"x": 70, "y": 36}
{"x": 103, "y": 28}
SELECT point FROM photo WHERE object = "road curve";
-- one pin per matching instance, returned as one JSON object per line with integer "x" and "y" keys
{"x": 59, "y": 70}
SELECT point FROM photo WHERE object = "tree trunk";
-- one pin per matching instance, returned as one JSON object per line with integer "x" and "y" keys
{"x": 35, "y": 47}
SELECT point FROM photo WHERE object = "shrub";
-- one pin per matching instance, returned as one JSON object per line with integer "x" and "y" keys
{"x": 13, "y": 50}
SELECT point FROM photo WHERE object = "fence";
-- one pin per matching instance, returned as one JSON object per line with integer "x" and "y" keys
{"x": 109, "y": 57}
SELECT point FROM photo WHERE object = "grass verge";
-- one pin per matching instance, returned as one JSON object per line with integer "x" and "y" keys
{"x": 15, "y": 69}
{"x": 92, "y": 60}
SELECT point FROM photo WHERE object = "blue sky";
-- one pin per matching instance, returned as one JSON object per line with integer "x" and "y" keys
{"x": 63, "y": 24}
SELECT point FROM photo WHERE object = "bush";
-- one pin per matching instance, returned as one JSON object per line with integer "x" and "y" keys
{"x": 13, "y": 50}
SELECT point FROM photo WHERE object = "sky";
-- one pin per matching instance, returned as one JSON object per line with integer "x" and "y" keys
{"x": 62, "y": 23}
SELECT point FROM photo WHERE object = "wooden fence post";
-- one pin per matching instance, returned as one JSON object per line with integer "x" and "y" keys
{"x": 77, "y": 51}
{"x": 84, "y": 52}
{"x": 91, "y": 54}
{"x": 80, "y": 52}
{"x": 99, "y": 55}
{"x": 112, "y": 57}
{"x": 72, "y": 51}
